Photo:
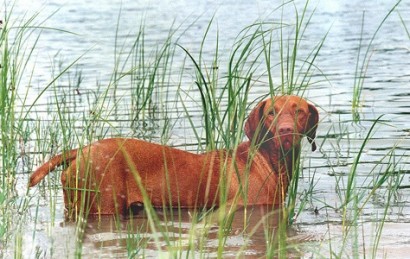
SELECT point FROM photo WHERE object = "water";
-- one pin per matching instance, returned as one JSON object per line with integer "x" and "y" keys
{"x": 90, "y": 30}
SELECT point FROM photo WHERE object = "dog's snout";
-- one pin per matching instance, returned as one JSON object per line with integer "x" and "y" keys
{"x": 286, "y": 129}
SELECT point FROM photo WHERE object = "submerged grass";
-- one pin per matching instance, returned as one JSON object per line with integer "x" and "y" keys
{"x": 148, "y": 77}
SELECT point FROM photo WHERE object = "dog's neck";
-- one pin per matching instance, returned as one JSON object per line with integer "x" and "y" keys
{"x": 280, "y": 162}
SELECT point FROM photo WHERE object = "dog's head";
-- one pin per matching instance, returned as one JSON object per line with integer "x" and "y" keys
{"x": 283, "y": 120}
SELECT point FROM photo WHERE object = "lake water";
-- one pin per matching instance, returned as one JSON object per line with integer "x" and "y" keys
{"x": 98, "y": 32}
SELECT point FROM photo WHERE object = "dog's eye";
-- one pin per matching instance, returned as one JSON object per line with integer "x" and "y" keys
{"x": 271, "y": 113}
{"x": 300, "y": 112}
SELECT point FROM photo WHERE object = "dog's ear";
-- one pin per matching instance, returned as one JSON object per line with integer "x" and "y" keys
{"x": 255, "y": 121}
{"x": 312, "y": 125}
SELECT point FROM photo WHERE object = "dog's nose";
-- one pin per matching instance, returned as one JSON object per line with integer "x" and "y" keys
{"x": 286, "y": 129}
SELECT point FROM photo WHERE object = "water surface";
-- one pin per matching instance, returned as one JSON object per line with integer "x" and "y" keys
{"x": 99, "y": 32}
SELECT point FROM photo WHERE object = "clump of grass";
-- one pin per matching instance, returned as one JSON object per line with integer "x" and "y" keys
{"x": 14, "y": 59}
{"x": 18, "y": 41}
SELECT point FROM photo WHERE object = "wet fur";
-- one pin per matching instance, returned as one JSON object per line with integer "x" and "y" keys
{"x": 113, "y": 175}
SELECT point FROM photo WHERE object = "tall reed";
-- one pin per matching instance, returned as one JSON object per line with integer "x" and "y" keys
{"x": 19, "y": 37}
{"x": 362, "y": 63}
{"x": 14, "y": 62}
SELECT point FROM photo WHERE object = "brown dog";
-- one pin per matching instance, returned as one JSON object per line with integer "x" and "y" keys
{"x": 113, "y": 175}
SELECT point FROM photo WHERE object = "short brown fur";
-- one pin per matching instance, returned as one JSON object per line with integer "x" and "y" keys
{"x": 111, "y": 175}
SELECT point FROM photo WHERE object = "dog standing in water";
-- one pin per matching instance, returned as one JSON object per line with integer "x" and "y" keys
{"x": 113, "y": 175}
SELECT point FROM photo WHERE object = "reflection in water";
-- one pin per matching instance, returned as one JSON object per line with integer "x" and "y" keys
{"x": 252, "y": 232}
